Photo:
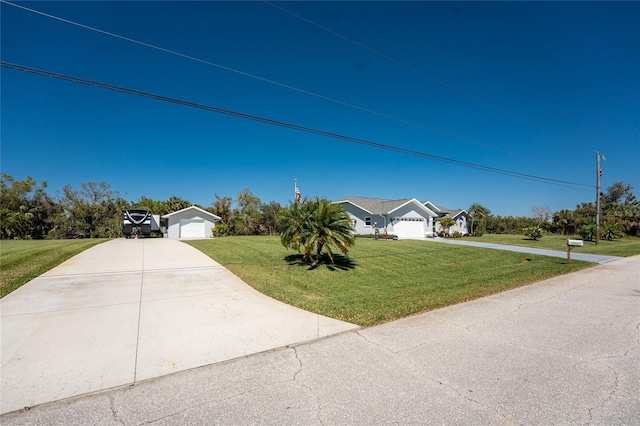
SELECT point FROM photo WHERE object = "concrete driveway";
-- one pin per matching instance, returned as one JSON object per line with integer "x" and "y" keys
{"x": 130, "y": 310}
{"x": 565, "y": 351}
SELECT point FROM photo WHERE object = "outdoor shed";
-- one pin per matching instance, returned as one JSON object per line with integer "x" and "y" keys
{"x": 192, "y": 222}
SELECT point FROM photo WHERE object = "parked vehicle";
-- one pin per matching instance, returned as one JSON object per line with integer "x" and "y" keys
{"x": 139, "y": 222}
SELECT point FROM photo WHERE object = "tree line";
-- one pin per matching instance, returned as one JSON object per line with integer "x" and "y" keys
{"x": 619, "y": 216}
{"x": 28, "y": 211}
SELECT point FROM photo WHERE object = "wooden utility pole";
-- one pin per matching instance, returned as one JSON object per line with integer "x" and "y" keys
{"x": 598, "y": 174}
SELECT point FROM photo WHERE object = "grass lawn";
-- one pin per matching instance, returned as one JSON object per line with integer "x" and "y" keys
{"x": 23, "y": 260}
{"x": 627, "y": 246}
{"x": 381, "y": 280}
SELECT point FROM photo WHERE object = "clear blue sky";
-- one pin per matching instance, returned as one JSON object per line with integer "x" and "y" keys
{"x": 569, "y": 72}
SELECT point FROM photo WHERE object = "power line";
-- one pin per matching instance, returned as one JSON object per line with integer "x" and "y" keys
{"x": 333, "y": 135}
{"x": 412, "y": 69}
{"x": 270, "y": 81}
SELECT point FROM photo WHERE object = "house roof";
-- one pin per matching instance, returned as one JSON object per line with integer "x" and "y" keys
{"x": 198, "y": 209}
{"x": 445, "y": 212}
{"x": 456, "y": 213}
{"x": 381, "y": 206}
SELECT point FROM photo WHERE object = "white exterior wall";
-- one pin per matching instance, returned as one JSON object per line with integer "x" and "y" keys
{"x": 174, "y": 223}
{"x": 460, "y": 226}
{"x": 410, "y": 211}
{"x": 358, "y": 217}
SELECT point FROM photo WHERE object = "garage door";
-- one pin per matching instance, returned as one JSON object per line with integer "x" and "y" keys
{"x": 192, "y": 228}
{"x": 408, "y": 227}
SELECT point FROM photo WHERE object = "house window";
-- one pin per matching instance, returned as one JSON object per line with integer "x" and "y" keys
{"x": 367, "y": 221}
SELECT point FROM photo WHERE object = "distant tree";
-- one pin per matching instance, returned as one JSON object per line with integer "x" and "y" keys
{"x": 174, "y": 203}
{"x": 620, "y": 207}
{"x": 541, "y": 214}
{"x": 90, "y": 212}
{"x": 270, "y": 214}
{"x": 584, "y": 214}
{"x": 314, "y": 227}
{"x": 27, "y": 211}
{"x": 158, "y": 207}
{"x": 477, "y": 212}
{"x": 14, "y": 224}
{"x": 223, "y": 208}
{"x": 565, "y": 221}
{"x": 249, "y": 216}
{"x": 619, "y": 193}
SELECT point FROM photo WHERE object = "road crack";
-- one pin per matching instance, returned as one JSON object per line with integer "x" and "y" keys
{"x": 307, "y": 387}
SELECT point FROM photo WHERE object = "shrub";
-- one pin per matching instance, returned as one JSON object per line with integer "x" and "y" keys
{"x": 588, "y": 232}
{"x": 220, "y": 230}
{"x": 611, "y": 231}
{"x": 533, "y": 232}
{"x": 457, "y": 235}
{"x": 479, "y": 231}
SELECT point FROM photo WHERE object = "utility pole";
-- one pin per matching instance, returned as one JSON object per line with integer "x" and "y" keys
{"x": 598, "y": 175}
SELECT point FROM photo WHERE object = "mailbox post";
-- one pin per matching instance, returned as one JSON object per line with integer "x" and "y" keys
{"x": 571, "y": 244}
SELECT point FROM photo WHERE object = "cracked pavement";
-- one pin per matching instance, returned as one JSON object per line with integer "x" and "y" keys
{"x": 561, "y": 351}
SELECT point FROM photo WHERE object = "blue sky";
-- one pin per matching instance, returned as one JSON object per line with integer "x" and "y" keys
{"x": 565, "y": 76}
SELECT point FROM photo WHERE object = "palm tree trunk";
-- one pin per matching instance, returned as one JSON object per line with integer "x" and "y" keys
{"x": 319, "y": 250}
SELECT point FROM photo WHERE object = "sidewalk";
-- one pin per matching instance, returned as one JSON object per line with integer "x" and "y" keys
{"x": 593, "y": 258}
{"x": 562, "y": 351}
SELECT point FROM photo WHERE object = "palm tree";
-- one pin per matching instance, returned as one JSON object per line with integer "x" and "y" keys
{"x": 565, "y": 219}
{"x": 479, "y": 212}
{"x": 314, "y": 226}
{"x": 294, "y": 229}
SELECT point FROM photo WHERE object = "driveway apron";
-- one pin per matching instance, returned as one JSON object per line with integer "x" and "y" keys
{"x": 130, "y": 310}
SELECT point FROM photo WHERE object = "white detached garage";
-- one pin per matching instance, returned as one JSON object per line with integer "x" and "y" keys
{"x": 192, "y": 222}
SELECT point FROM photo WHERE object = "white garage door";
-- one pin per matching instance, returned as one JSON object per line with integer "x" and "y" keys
{"x": 192, "y": 228}
{"x": 408, "y": 227}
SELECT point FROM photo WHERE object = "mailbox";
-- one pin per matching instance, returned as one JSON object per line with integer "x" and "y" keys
{"x": 574, "y": 243}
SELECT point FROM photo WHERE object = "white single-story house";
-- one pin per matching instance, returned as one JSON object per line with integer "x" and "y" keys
{"x": 459, "y": 216}
{"x": 406, "y": 218}
{"x": 192, "y": 222}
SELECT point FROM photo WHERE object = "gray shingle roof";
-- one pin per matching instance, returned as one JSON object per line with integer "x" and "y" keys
{"x": 375, "y": 205}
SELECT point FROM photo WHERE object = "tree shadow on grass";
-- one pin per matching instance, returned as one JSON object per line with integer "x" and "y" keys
{"x": 341, "y": 263}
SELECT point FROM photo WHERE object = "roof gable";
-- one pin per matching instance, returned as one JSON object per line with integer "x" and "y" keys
{"x": 382, "y": 206}
{"x": 198, "y": 209}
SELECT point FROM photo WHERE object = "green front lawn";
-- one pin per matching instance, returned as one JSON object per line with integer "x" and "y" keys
{"x": 23, "y": 260}
{"x": 627, "y": 246}
{"x": 381, "y": 280}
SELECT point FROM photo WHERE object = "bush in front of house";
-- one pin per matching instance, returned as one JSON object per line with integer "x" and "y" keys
{"x": 380, "y": 236}
{"x": 456, "y": 235}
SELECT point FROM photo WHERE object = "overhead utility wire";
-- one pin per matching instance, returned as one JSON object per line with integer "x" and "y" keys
{"x": 412, "y": 69}
{"x": 266, "y": 80}
{"x": 291, "y": 126}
